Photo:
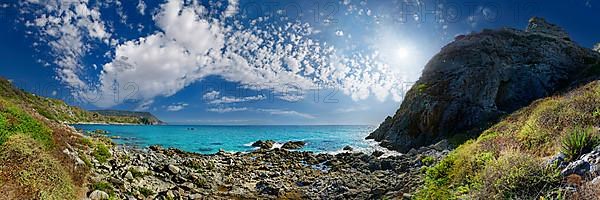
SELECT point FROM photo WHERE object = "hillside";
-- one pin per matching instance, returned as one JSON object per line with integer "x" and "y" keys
{"x": 478, "y": 78}
{"x": 145, "y": 117}
{"x": 539, "y": 151}
{"x": 57, "y": 110}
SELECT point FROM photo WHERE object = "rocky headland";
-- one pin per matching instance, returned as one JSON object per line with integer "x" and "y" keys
{"x": 478, "y": 78}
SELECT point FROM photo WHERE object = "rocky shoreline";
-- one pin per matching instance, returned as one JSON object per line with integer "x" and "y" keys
{"x": 158, "y": 173}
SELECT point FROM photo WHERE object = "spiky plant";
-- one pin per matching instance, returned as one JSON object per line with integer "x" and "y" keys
{"x": 578, "y": 142}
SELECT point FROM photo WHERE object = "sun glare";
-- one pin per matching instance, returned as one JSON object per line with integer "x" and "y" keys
{"x": 403, "y": 52}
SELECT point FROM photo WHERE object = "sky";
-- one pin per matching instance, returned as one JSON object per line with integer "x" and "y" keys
{"x": 250, "y": 62}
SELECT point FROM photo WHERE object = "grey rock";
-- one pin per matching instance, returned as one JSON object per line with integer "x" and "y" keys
{"x": 173, "y": 169}
{"x": 441, "y": 145}
{"x": 348, "y": 148}
{"x": 267, "y": 144}
{"x": 377, "y": 153}
{"x": 558, "y": 160}
{"x": 293, "y": 145}
{"x": 597, "y": 47}
{"x": 476, "y": 79}
{"x": 541, "y": 26}
{"x": 578, "y": 167}
{"x": 98, "y": 195}
{"x": 129, "y": 175}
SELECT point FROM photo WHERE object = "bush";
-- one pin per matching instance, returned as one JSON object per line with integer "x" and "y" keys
{"x": 101, "y": 152}
{"x": 579, "y": 141}
{"x": 515, "y": 175}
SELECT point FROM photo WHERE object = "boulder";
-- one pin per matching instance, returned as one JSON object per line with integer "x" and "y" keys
{"x": 173, "y": 169}
{"x": 480, "y": 77}
{"x": 377, "y": 153}
{"x": 348, "y": 148}
{"x": 98, "y": 195}
{"x": 267, "y": 144}
{"x": 293, "y": 145}
{"x": 579, "y": 167}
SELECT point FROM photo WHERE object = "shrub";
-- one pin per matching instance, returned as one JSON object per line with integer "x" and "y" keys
{"x": 515, "y": 175}
{"x": 101, "y": 152}
{"x": 428, "y": 160}
{"x": 145, "y": 191}
{"x": 579, "y": 141}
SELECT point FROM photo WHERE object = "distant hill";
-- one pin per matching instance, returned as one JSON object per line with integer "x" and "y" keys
{"x": 145, "y": 117}
{"x": 58, "y": 110}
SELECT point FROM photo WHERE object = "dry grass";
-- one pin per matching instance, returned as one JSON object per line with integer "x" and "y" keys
{"x": 535, "y": 133}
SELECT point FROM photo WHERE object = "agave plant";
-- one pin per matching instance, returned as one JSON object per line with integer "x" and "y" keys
{"x": 578, "y": 142}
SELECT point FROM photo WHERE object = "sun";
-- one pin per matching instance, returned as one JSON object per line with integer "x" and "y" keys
{"x": 403, "y": 53}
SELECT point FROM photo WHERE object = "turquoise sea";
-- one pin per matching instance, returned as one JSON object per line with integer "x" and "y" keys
{"x": 207, "y": 139}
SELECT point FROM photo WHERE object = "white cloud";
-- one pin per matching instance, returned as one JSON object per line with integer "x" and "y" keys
{"x": 212, "y": 95}
{"x": 145, "y": 105}
{"x": 176, "y": 107}
{"x": 227, "y": 109}
{"x": 232, "y": 8}
{"x": 190, "y": 45}
{"x": 229, "y": 99}
{"x": 64, "y": 25}
{"x": 286, "y": 112}
{"x": 141, "y": 7}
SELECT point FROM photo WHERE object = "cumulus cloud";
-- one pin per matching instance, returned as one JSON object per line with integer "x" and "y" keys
{"x": 144, "y": 105}
{"x": 191, "y": 44}
{"x": 141, "y": 7}
{"x": 176, "y": 107}
{"x": 64, "y": 26}
{"x": 232, "y": 8}
{"x": 214, "y": 97}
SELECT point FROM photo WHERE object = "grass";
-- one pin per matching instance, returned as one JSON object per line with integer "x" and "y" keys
{"x": 145, "y": 191}
{"x": 103, "y": 186}
{"x": 14, "y": 120}
{"x": 579, "y": 142}
{"x": 506, "y": 161}
{"x": 25, "y": 161}
{"x": 101, "y": 152}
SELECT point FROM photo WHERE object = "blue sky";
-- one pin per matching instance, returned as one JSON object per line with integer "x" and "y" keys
{"x": 249, "y": 62}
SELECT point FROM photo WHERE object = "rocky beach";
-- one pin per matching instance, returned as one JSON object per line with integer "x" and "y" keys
{"x": 158, "y": 173}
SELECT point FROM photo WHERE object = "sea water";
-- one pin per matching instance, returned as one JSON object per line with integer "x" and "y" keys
{"x": 206, "y": 139}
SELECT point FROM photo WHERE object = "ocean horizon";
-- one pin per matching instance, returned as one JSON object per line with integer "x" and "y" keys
{"x": 209, "y": 139}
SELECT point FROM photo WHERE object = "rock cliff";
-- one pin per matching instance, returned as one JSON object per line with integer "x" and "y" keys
{"x": 478, "y": 78}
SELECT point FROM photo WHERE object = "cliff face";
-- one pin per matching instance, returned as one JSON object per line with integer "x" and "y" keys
{"x": 479, "y": 77}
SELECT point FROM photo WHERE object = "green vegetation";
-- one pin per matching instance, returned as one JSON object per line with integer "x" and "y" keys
{"x": 25, "y": 161}
{"x": 421, "y": 87}
{"x": 145, "y": 191}
{"x": 57, "y": 110}
{"x": 14, "y": 121}
{"x": 103, "y": 186}
{"x": 101, "y": 152}
{"x": 428, "y": 160}
{"x": 578, "y": 142}
{"x": 507, "y": 161}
